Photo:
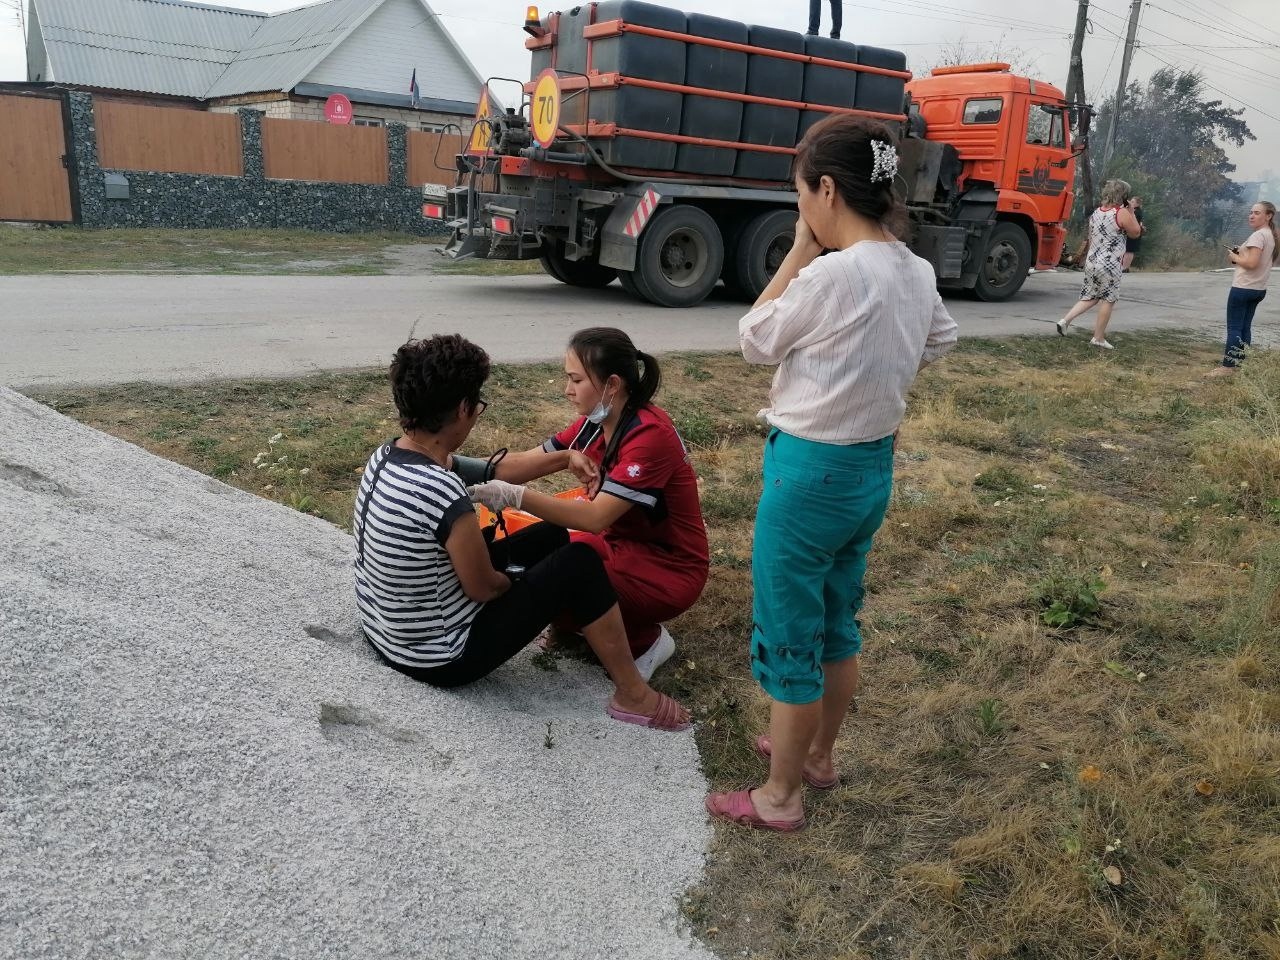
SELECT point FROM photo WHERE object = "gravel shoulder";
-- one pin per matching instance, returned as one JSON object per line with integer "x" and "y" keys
{"x": 203, "y": 759}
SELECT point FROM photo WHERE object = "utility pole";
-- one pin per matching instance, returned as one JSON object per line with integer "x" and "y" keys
{"x": 1135, "y": 11}
{"x": 1076, "y": 99}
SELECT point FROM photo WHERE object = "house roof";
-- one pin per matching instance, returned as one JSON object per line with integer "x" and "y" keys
{"x": 195, "y": 50}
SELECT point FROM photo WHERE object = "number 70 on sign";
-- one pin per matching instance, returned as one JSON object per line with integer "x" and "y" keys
{"x": 545, "y": 108}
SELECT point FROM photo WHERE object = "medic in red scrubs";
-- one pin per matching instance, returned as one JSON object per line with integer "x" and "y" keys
{"x": 644, "y": 518}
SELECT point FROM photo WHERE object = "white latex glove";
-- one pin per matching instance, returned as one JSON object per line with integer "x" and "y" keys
{"x": 498, "y": 495}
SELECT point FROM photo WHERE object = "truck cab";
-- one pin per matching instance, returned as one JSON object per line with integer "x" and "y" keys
{"x": 1011, "y": 136}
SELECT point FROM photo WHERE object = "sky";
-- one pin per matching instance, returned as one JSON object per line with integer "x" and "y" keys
{"x": 1235, "y": 43}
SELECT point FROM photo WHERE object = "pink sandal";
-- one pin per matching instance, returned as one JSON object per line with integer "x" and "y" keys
{"x": 737, "y": 808}
{"x": 664, "y": 718}
{"x": 764, "y": 747}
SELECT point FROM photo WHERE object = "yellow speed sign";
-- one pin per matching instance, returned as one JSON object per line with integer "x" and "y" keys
{"x": 545, "y": 108}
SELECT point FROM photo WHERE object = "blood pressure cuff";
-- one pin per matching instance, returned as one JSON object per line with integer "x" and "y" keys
{"x": 473, "y": 470}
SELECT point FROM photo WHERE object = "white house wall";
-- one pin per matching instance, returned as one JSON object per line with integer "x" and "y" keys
{"x": 384, "y": 50}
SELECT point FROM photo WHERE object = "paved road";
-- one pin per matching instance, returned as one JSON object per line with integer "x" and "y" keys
{"x": 106, "y": 329}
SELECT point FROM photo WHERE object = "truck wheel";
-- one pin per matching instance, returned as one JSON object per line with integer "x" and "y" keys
{"x": 630, "y": 281}
{"x": 576, "y": 273}
{"x": 680, "y": 256}
{"x": 1005, "y": 264}
{"x": 762, "y": 246}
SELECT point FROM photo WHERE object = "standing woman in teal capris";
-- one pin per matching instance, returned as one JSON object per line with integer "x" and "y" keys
{"x": 848, "y": 331}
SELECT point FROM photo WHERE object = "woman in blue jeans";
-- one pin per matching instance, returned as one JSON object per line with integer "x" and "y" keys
{"x": 1253, "y": 261}
{"x": 848, "y": 331}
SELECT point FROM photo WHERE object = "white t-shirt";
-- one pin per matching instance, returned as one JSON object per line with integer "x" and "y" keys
{"x": 849, "y": 334}
{"x": 1256, "y": 279}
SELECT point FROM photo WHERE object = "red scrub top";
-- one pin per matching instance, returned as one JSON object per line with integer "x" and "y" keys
{"x": 653, "y": 472}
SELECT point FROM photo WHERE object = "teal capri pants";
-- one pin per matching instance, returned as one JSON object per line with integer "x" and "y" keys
{"x": 821, "y": 506}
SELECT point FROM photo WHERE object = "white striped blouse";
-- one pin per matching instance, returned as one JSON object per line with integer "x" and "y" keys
{"x": 849, "y": 334}
{"x": 411, "y": 602}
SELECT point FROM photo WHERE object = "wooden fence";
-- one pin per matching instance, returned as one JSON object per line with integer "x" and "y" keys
{"x": 167, "y": 140}
{"x": 307, "y": 150}
{"x": 33, "y": 177}
{"x": 172, "y": 140}
{"x": 431, "y": 157}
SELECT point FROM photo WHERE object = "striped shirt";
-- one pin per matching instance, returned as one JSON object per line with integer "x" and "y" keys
{"x": 849, "y": 334}
{"x": 411, "y": 602}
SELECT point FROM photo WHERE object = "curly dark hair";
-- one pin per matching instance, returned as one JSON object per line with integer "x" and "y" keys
{"x": 840, "y": 147}
{"x": 429, "y": 378}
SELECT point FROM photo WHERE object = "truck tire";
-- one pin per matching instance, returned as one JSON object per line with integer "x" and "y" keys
{"x": 1005, "y": 264}
{"x": 576, "y": 273}
{"x": 761, "y": 247}
{"x": 680, "y": 256}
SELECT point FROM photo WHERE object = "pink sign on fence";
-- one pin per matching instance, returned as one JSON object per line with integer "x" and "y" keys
{"x": 337, "y": 109}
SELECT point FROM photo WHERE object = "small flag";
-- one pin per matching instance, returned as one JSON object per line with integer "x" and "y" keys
{"x": 415, "y": 92}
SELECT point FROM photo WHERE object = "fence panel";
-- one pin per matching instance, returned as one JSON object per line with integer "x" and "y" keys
{"x": 428, "y": 149}
{"x": 308, "y": 150}
{"x": 33, "y": 180}
{"x": 133, "y": 136}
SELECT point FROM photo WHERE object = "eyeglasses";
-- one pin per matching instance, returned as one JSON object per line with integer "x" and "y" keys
{"x": 481, "y": 406}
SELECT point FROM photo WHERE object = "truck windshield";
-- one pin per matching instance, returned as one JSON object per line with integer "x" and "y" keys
{"x": 1044, "y": 126}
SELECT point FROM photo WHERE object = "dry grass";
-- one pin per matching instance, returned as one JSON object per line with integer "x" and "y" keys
{"x": 997, "y": 769}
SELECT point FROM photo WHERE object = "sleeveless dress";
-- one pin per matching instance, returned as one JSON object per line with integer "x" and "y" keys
{"x": 1103, "y": 267}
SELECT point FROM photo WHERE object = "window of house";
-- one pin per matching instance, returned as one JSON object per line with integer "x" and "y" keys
{"x": 983, "y": 111}
{"x": 367, "y": 121}
{"x": 431, "y": 127}
{"x": 1044, "y": 126}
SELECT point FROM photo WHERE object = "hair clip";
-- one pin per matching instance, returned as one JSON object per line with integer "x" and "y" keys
{"x": 885, "y": 166}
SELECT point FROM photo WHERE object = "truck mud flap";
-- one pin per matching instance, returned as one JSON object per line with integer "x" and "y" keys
{"x": 943, "y": 247}
{"x": 621, "y": 233}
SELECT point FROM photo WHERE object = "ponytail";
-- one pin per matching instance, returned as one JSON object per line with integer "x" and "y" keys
{"x": 606, "y": 352}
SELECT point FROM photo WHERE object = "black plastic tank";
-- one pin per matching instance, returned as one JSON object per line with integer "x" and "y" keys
{"x": 541, "y": 58}
{"x": 876, "y": 91}
{"x": 716, "y": 119}
{"x": 650, "y": 58}
{"x": 571, "y": 45}
{"x": 762, "y": 123}
{"x": 834, "y": 86}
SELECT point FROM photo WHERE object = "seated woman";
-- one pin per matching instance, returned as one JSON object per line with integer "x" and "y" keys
{"x": 432, "y": 603}
{"x": 644, "y": 519}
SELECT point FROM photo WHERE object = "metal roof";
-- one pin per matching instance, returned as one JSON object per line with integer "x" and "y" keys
{"x": 190, "y": 49}
{"x": 156, "y": 46}
{"x": 286, "y": 45}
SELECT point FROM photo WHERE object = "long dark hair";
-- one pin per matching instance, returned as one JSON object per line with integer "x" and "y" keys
{"x": 606, "y": 352}
{"x": 839, "y": 147}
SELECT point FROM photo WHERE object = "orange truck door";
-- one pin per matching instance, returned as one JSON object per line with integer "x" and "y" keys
{"x": 1044, "y": 161}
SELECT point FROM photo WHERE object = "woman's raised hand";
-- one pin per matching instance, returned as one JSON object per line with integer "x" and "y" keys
{"x": 585, "y": 469}
{"x": 805, "y": 241}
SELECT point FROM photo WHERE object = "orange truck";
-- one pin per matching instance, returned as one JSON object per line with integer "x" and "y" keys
{"x": 654, "y": 147}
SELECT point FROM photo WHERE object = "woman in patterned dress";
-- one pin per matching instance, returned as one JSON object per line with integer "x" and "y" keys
{"x": 1103, "y": 268}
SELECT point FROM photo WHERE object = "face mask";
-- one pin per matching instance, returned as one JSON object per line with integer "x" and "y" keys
{"x": 601, "y": 412}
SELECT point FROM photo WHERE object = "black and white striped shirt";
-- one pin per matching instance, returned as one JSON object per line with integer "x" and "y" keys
{"x": 412, "y": 605}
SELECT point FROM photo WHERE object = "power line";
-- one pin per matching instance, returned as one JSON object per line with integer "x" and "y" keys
{"x": 969, "y": 14}
{"x": 1219, "y": 90}
{"x": 1212, "y": 27}
{"x": 1032, "y": 31}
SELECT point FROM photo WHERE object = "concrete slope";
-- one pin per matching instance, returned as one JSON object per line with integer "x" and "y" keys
{"x": 202, "y": 759}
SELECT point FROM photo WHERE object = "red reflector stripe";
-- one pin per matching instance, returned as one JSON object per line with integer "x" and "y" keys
{"x": 504, "y": 225}
{"x": 433, "y": 211}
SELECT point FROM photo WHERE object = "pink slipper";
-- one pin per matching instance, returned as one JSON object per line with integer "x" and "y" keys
{"x": 764, "y": 747}
{"x": 664, "y": 718}
{"x": 737, "y": 808}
